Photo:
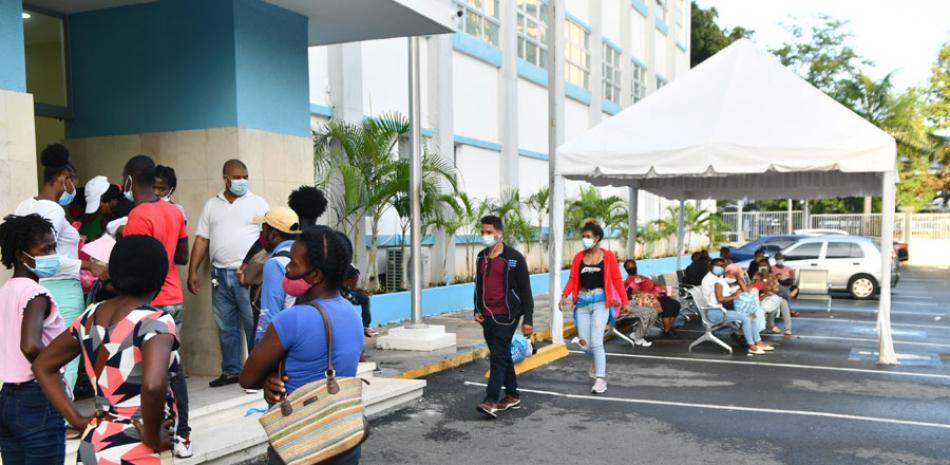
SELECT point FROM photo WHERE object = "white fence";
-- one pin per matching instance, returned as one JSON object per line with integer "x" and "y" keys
{"x": 932, "y": 226}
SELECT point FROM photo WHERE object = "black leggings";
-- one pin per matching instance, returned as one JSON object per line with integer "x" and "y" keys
{"x": 671, "y": 308}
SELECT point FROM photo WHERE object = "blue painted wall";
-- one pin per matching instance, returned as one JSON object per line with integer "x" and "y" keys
{"x": 395, "y": 307}
{"x": 12, "y": 59}
{"x": 178, "y": 64}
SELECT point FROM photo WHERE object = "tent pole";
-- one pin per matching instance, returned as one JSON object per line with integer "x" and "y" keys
{"x": 632, "y": 211}
{"x": 791, "y": 226}
{"x": 740, "y": 235}
{"x": 680, "y": 226}
{"x": 886, "y": 350}
{"x": 556, "y": 15}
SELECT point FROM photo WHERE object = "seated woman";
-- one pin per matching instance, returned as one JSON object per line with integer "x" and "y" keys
{"x": 786, "y": 280}
{"x": 771, "y": 301}
{"x": 130, "y": 350}
{"x": 720, "y": 296}
{"x": 738, "y": 280}
{"x": 297, "y": 335}
{"x": 648, "y": 294}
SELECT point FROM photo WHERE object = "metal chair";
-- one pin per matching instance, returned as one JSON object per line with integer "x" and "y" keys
{"x": 709, "y": 326}
{"x": 814, "y": 285}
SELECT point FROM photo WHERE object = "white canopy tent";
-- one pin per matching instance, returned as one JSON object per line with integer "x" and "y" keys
{"x": 739, "y": 125}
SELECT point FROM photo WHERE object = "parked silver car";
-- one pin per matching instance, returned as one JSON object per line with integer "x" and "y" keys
{"x": 853, "y": 262}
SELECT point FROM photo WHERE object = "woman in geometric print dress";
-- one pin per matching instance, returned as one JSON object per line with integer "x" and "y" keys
{"x": 130, "y": 351}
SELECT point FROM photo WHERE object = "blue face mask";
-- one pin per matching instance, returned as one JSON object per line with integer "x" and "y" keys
{"x": 46, "y": 266}
{"x": 587, "y": 243}
{"x": 238, "y": 187}
{"x": 67, "y": 197}
{"x": 127, "y": 190}
{"x": 718, "y": 270}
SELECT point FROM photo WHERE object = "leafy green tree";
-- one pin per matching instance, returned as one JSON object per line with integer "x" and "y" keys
{"x": 937, "y": 112}
{"x": 610, "y": 212}
{"x": 707, "y": 37}
{"x": 540, "y": 205}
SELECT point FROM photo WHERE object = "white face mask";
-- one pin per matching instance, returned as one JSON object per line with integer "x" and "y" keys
{"x": 489, "y": 240}
{"x": 731, "y": 280}
{"x": 587, "y": 243}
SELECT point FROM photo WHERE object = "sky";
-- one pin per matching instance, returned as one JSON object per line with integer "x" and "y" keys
{"x": 902, "y": 36}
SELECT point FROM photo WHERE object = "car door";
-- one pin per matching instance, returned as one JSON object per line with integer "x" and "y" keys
{"x": 804, "y": 255}
{"x": 842, "y": 260}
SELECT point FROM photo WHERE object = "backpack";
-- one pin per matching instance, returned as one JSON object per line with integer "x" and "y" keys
{"x": 254, "y": 273}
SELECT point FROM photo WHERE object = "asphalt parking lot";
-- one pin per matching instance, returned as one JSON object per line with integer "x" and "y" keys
{"x": 818, "y": 399}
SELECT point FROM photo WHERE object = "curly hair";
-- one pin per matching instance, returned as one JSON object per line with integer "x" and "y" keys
{"x": 328, "y": 251}
{"x": 55, "y": 160}
{"x": 19, "y": 233}
{"x": 309, "y": 203}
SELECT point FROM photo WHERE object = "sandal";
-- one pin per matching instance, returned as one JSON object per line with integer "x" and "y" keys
{"x": 775, "y": 330}
{"x": 788, "y": 332}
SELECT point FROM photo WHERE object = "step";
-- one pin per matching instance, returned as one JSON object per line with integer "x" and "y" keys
{"x": 222, "y": 434}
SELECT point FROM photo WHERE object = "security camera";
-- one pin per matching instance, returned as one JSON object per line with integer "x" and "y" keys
{"x": 459, "y": 13}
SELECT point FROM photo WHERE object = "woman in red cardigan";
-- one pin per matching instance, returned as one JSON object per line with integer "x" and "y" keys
{"x": 594, "y": 289}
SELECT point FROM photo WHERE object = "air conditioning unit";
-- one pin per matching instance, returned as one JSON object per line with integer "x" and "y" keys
{"x": 394, "y": 268}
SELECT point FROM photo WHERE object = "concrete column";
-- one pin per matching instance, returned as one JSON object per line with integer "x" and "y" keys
{"x": 650, "y": 41}
{"x": 18, "y": 178}
{"x": 626, "y": 59}
{"x": 596, "y": 82}
{"x": 241, "y": 92}
{"x": 790, "y": 218}
{"x": 508, "y": 97}
{"x": 680, "y": 234}
{"x": 741, "y": 231}
{"x": 440, "y": 119}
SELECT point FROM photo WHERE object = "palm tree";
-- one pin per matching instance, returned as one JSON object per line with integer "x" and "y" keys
{"x": 540, "y": 204}
{"x": 364, "y": 156}
{"x": 611, "y": 211}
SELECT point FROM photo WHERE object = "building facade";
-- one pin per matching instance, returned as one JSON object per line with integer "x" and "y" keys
{"x": 485, "y": 95}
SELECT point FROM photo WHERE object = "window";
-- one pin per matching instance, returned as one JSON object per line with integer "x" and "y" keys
{"x": 844, "y": 250}
{"x": 480, "y": 19}
{"x": 638, "y": 86}
{"x": 532, "y": 32}
{"x": 577, "y": 54}
{"x": 661, "y": 10}
{"x": 779, "y": 243}
{"x": 807, "y": 251}
{"x": 45, "y": 58}
{"x": 612, "y": 74}
{"x": 660, "y": 82}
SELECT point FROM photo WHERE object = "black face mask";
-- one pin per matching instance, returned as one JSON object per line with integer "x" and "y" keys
{"x": 631, "y": 271}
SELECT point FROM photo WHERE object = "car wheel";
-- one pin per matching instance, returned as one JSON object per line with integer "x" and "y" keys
{"x": 862, "y": 286}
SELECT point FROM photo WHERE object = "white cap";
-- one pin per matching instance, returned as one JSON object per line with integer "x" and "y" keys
{"x": 94, "y": 189}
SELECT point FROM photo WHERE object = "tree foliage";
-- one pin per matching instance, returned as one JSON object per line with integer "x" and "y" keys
{"x": 707, "y": 37}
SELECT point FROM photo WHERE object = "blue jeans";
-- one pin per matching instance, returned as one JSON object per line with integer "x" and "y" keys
{"x": 232, "y": 312}
{"x": 32, "y": 432}
{"x": 591, "y": 321}
{"x": 751, "y": 336}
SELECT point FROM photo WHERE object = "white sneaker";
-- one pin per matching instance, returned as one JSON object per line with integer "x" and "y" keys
{"x": 642, "y": 342}
{"x": 600, "y": 386}
{"x": 183, "y": 447}
{"x": 251, "y": 391}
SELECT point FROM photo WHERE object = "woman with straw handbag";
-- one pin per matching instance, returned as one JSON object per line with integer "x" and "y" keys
{"x": 317, "y": 417}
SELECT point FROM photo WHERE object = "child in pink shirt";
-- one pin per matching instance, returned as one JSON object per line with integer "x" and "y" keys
{"x": 31, "y": 430}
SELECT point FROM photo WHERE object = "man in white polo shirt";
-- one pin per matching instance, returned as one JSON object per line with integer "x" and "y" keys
{"x": 227, "y": 228}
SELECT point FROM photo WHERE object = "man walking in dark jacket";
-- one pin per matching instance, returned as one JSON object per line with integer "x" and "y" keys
{"x": 502, "y": 298}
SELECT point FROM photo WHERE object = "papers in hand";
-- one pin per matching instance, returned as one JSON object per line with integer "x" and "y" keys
{"x": 100, "y": 249}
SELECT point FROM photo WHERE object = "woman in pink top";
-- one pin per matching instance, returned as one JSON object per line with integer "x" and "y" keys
{"x": 31, "y": 430}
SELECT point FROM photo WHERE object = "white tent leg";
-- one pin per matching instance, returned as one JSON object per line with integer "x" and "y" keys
{"x": 740, "y": 236}
{"x": 680, "y": 233}
{"x": 886, "y": 350}
{"x": 632, "y": 222}
{"x": 555, "y": 33}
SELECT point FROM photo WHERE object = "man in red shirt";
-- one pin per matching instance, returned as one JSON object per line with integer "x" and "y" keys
{"x": 159, "y": 218}
{"x": 502, "y": 297}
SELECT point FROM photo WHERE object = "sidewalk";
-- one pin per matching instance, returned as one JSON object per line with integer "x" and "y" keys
{"x": 469, "y": 346}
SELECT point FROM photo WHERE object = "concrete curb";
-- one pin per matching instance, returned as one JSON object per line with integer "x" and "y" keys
{"x": 470, "y": 356}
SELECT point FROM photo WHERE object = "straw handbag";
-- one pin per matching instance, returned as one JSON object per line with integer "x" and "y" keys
{"x": 319, "y": 420}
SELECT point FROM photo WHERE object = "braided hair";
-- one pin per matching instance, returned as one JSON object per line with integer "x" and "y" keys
{"x": 328, "y": 251}
{"x": 19, "y": 233}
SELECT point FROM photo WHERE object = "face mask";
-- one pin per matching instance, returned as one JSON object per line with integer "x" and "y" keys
{"x": 587, "y": 243}
{"x": 168, "y": 198}
{"x": 631, "y": 271}
{"x": 67, "y": 197}
{"x": 262, "y": 240}
{"x": 718, "y": 270}
{"x": 779, "y": 262}
{"x": 731, "y": 280}
{"x": 46, "y": 266}
{"x": 295, "y": 287}
{"x": 489, "y": 240}
{"x": 127, "y": 190}
{"x": 238, "y": 187}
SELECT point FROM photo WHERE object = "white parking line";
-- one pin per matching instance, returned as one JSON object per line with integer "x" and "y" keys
{"x": 837, "y": 338}
{"x": 874, "y": 311}
{"x": 779, "y": 365}
{"x": 734, "y": 408}
{"x": 838, "y": 320}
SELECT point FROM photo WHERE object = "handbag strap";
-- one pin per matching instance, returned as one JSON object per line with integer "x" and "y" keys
{"x": 332, "y": 386}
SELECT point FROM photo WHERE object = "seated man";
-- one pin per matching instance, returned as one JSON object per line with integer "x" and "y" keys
{"x": 786, "y": 279}
{"x": 696, "y": 270}
{"x": 720, "y": 296}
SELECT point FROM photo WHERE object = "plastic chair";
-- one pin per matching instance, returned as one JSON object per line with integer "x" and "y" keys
{"x": 814, "y": 285}
{"x": 709, "y": 326}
